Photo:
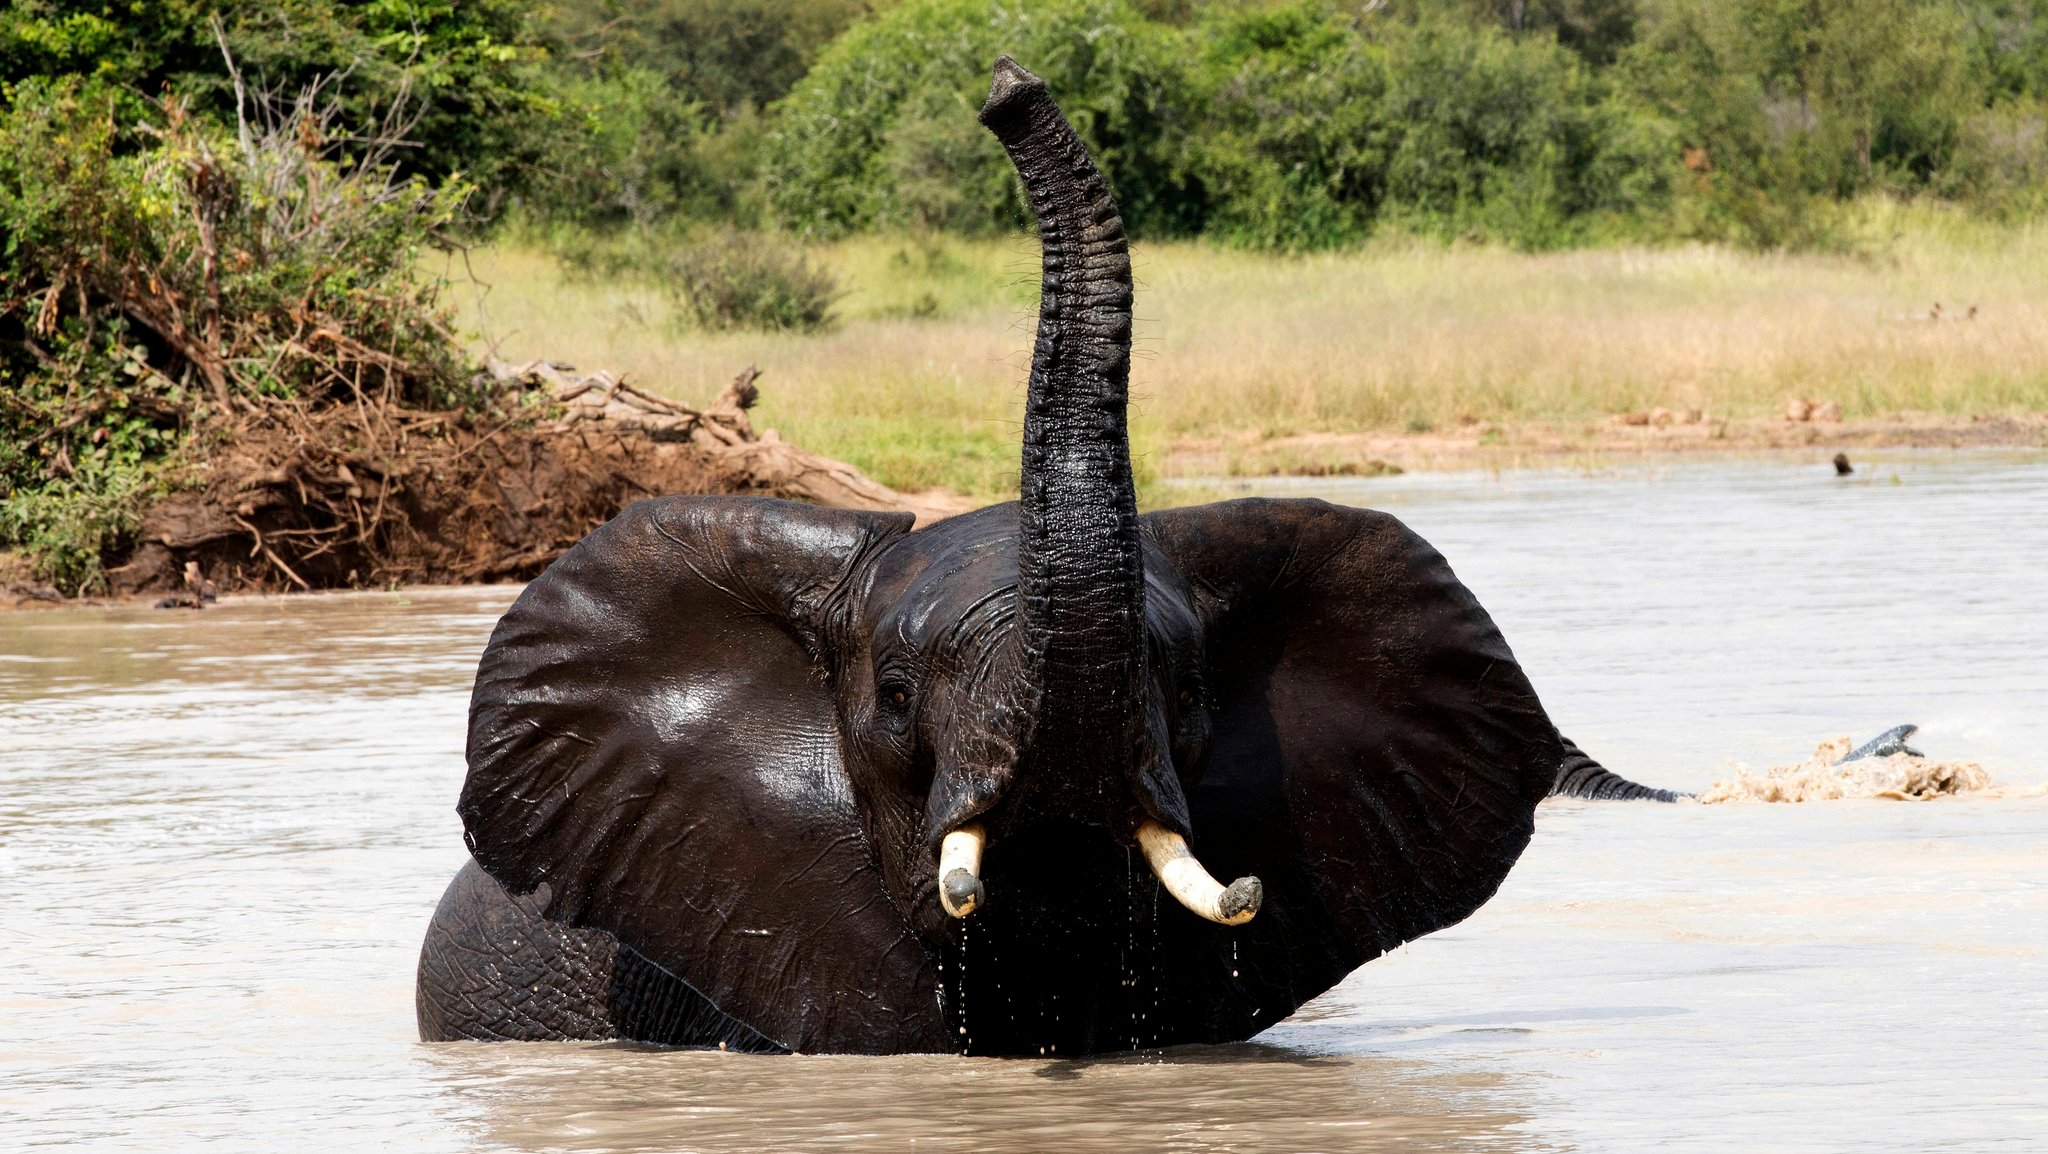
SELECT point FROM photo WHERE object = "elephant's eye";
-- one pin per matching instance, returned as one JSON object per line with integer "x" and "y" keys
{"x": 1187, "y": 696}
{"x": 895, "y": 696}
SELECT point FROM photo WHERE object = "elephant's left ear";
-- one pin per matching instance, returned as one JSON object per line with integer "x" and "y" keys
{"x": 653, "y": 738}
{"x": 1377, "y": 754}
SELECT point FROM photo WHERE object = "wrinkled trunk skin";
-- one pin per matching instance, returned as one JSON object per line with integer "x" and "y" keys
{"x": 1080, "y": 585}
{"x": 1062, "y": 959}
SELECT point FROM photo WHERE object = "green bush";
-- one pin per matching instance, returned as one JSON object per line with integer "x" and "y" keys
{"x": 631, "y": 152}
{"x": 1321, "y": 126}
{"x": 752, "y": 281}
{"x": 1296, "y": 141}
{"x": 151, "y": 289}
{"x": 2000, "y": 164}
{"x": 729, "y": 56}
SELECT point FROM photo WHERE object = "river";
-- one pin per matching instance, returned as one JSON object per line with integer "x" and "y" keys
{"x": 222, "y": 833}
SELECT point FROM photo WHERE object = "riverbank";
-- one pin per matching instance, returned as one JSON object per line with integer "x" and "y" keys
{"x": 1932, "y": 332}
{"x": 1625, "y": 438}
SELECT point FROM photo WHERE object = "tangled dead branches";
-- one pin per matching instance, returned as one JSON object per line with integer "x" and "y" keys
{"x": 374, "y": 493}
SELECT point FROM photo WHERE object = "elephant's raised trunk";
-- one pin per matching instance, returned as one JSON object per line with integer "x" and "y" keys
{"x": 1080, "y": 589}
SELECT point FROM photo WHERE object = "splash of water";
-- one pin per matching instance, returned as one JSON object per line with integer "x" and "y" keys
{"x": 1898, "y": 777}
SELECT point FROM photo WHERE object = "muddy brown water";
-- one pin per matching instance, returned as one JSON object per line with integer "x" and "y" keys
{"x": 221, "y": 834}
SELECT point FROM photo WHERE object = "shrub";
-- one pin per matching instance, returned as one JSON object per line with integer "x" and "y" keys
{"x": 630, "y": 152}
{"x": 1493, "y": 137}
{"x": 151, "y": 289}
{"x": 751, "y": 281}
{"x": 728, "y": 56}
{"x": 2001, "y": 161}
{"x": 1294, "y": 154}
{"x": 1321, "y": 125}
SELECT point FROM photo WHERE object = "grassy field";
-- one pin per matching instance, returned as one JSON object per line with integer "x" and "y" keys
{"x": 921, "y": 381}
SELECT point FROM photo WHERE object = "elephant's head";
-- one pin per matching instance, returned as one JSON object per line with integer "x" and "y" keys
{"x": 741, "y": 733}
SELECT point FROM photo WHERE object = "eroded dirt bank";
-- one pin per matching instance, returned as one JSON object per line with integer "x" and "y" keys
{"x": 370, "y": 495}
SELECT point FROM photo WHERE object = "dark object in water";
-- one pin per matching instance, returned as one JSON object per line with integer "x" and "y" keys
{"x": 1842, "y": 466}
{"x": 1581, "y": 776}
{"x": 198, "y": 593}
{"x": 1885, "y": 744}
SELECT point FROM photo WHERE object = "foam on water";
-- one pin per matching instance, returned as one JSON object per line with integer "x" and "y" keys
{"x": 1894, "y": 777}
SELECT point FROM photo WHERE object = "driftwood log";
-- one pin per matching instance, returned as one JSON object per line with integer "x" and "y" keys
{"x": 723, "y": 432}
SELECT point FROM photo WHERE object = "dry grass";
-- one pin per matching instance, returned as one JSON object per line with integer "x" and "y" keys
{"x": 921, "y": 382}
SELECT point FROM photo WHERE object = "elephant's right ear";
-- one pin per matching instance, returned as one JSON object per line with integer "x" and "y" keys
{"x": 653, "y": 738}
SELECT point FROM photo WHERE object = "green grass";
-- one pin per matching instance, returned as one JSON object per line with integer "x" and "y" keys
{"x": 921, "y": 381}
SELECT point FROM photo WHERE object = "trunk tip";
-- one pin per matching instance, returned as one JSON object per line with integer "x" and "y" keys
{"x": 1010, "y": 84}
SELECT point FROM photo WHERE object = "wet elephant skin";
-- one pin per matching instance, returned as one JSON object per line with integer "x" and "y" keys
{"x": 725, "y": 736}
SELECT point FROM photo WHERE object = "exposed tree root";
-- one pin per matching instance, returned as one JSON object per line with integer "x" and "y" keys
{"x": 369, "y": 493}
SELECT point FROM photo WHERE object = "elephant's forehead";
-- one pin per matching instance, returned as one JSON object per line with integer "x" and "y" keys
{"x": 932, "y": 584}
{"x": 929, "y": 579}
{"x": 964, "y": 586}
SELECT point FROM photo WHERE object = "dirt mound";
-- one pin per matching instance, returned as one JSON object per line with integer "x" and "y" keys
{"x": 362, "y": 495}
{"x": 1898, "y": 777}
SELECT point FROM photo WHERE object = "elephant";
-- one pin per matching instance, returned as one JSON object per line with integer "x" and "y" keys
{"x": 768, "y": 776}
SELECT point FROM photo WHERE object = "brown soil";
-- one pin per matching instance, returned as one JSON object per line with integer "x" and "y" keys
{"x": 1657, "y": 433}
{"x": 371, "y": 495}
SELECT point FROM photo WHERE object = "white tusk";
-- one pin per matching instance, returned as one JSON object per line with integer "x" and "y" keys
{"x": 1191, "y": 885}
{"x": 960, "y": 870}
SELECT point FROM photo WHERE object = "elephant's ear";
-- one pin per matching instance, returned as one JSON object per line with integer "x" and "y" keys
{"x": 652, "y": 736}
{"x": 1377, "y": 755}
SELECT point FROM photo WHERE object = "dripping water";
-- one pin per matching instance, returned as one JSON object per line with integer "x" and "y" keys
{"x": 1130, "y": 954}
{"x": 1152, "y": 965}
{"x": 966, "y": 935}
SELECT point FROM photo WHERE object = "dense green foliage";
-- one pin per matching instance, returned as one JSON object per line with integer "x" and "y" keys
{"x": 462, "y": 79}
{"x": 663, "y": 105}
{"x": 1309, "y": 123}
{"x": 151, "y": 292}
{"x": 1316, "y": 130}
{"x": 882, "y": 131}
{"x": 1279, "y": 124}
{"x": 1794, "y": 105}
{"x": 736, "y": 281}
